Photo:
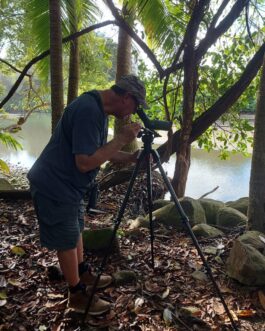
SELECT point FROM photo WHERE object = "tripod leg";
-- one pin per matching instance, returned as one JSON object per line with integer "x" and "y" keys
{"x": 150, "y": 206}
{"x": 116, "y": 226}
{"x": 186, "y": 221}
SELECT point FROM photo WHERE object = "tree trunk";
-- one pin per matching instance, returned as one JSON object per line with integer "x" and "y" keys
{"x": 56, "y": 63}
{"x": 124, "y": 67}
{"x": 73, "y": 79}
{"x": 189, "y": 91}
{"x": 256, "y": 209}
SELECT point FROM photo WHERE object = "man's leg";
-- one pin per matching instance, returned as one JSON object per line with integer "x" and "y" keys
{"x": 80, "y": 250}
{"x": 68, "y": 260}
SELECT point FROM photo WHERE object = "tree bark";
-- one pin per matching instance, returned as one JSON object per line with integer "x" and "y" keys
{"x": 256, "y": 209}
{"x": 189, "y": 91}
{"x": 56, "y": 62}
{"x": 124, "y": 67}
{"x": 73, "y": 79}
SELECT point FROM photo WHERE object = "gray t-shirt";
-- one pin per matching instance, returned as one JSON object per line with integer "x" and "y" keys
{"x": 82, "y": 129}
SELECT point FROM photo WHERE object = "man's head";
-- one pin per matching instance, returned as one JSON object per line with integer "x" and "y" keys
{"x": 135, "y": 87}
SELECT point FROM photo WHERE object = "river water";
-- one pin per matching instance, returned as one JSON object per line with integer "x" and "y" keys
{"x": 206, "y": 172}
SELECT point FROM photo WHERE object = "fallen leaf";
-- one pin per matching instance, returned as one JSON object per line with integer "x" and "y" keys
{"x": 167, "y": 316}
{"x": 3, "y": 295}
{"x": 246, "y": 313}
{"x": 3, "y": 281}
{"x": 2, "y": 303}
{"x": 55, "y": 296}
{"x": 18, "y": 250}
{"x": 165, "y": 293}
{"x": 138, "y": 304}
{"x": 14, "y": 282}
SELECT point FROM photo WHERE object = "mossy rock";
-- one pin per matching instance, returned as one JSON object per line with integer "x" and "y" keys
{"x": 206, "y": 231}
{"x": 211, "y": 208}
{"x": 246, "y": 264}
{"x": 255, "y": 239}
{"x": 240, "y": 205}
{"x": 169, "y": 215}
{"x": 5, "y": 185}
{"x": 160, "y": 203}
{"x": 139, "y": 222}
{"x": 230, "y": 218}
{"x": 98, "y": 240}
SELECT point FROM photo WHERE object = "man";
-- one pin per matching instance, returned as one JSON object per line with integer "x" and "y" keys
{"x": 70, "y": 161}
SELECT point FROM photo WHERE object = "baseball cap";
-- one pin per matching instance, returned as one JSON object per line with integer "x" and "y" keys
{"x": 135, "y": 86}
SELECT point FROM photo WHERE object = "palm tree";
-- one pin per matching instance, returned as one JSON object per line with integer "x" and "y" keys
{"x": 256, "y": 210}
{"x": 73, "y": 78}
{"x": 124, "y": 67}
{"x": 56, "y": 61}
{"x": 72, "y": 14}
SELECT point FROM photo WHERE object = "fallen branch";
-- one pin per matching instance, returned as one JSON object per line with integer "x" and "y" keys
{"x": 205, "y": 194}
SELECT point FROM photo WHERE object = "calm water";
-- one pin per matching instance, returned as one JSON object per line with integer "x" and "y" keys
{"x": 207, "y": 170}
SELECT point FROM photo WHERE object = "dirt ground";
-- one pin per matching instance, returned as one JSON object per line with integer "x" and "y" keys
{"x": 157, "y": 299}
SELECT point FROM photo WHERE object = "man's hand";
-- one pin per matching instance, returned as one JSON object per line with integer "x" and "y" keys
{"x": 128, "y": 133}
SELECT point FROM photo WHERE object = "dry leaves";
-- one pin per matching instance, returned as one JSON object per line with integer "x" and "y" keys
{"x": 29, "y": 301}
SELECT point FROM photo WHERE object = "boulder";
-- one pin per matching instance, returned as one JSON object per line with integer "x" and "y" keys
{"x": 139, "y": 222}
{"x": 255, "y": 239}
{"x": 240, "y": 205}
{"x": 206, "y": 231}
{"x": 160, "y": 203}
{"x": 97, "y": 240}
{"x": 229, "y": 217}
{"x": 211, "y": 208}
{"x": 169, "y": 216}
{"x": 246, "y": 263}
{"x": 5, "y": 185}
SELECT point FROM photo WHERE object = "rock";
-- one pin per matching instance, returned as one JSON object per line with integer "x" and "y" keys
{"x": 246, "y": 264}
{"x": 5, "y": 185}
{"x": 169, "y": 216}
{"x": 255, "y": 239}
{"x": 123, "y": 277}
{"x": 211, "y": 208}
{"x": 160, "y": 203}
{"x": 206, "y": 231}
{"x": 240, "y": 205}
{"x": 229, "y": 217}
{"x": 98, "y": 240}
{"x": 139, "y": 222}
{"x": 199, "y": 275}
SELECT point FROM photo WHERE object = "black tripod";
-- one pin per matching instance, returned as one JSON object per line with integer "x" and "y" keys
{"x": 145, "y": 156}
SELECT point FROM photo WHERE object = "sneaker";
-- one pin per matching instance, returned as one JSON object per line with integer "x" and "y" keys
{"x": 78, "y": 302}
{"x": 89, "y": 278}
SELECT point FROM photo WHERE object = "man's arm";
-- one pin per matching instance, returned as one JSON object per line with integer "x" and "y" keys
{"x": 124, "y": 157}
{"x": 86, "y": 163}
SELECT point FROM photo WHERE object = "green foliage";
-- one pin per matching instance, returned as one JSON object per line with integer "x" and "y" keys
{"x": 8, "y": 140}
{"x": 4, "y": 167}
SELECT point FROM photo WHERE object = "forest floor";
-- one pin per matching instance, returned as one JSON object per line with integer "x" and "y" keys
{"x": 30, "y": 300}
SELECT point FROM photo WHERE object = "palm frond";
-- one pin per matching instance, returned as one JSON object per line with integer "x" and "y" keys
{"x": 157, "y": 22}
{"x": 8, "y": 140}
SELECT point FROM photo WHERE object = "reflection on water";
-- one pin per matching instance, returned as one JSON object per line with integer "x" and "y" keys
{"x": 207, "y": 170}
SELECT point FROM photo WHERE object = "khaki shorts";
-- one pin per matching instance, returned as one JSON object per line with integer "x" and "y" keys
{"x": 60, "y": 224}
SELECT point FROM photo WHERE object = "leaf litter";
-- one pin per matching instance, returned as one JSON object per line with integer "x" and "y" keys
{"x": 167, "y": 298}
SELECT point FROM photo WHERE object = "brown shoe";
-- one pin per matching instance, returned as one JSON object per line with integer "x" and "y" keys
{"x": 88, "y": 279}
{"x": 78, "y": 302}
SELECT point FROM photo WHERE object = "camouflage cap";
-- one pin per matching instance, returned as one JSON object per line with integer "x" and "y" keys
{"x": 135, "y": 86}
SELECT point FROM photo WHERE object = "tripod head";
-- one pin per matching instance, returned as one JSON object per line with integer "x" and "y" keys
{"x": 153, "y": 124}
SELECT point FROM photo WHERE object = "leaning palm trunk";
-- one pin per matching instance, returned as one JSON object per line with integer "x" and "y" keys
{"x": 56, "y": 66}
{"x": 73, "y": 79}
{"x": 124, "y": 67}
{"x": 256, "y": 209}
